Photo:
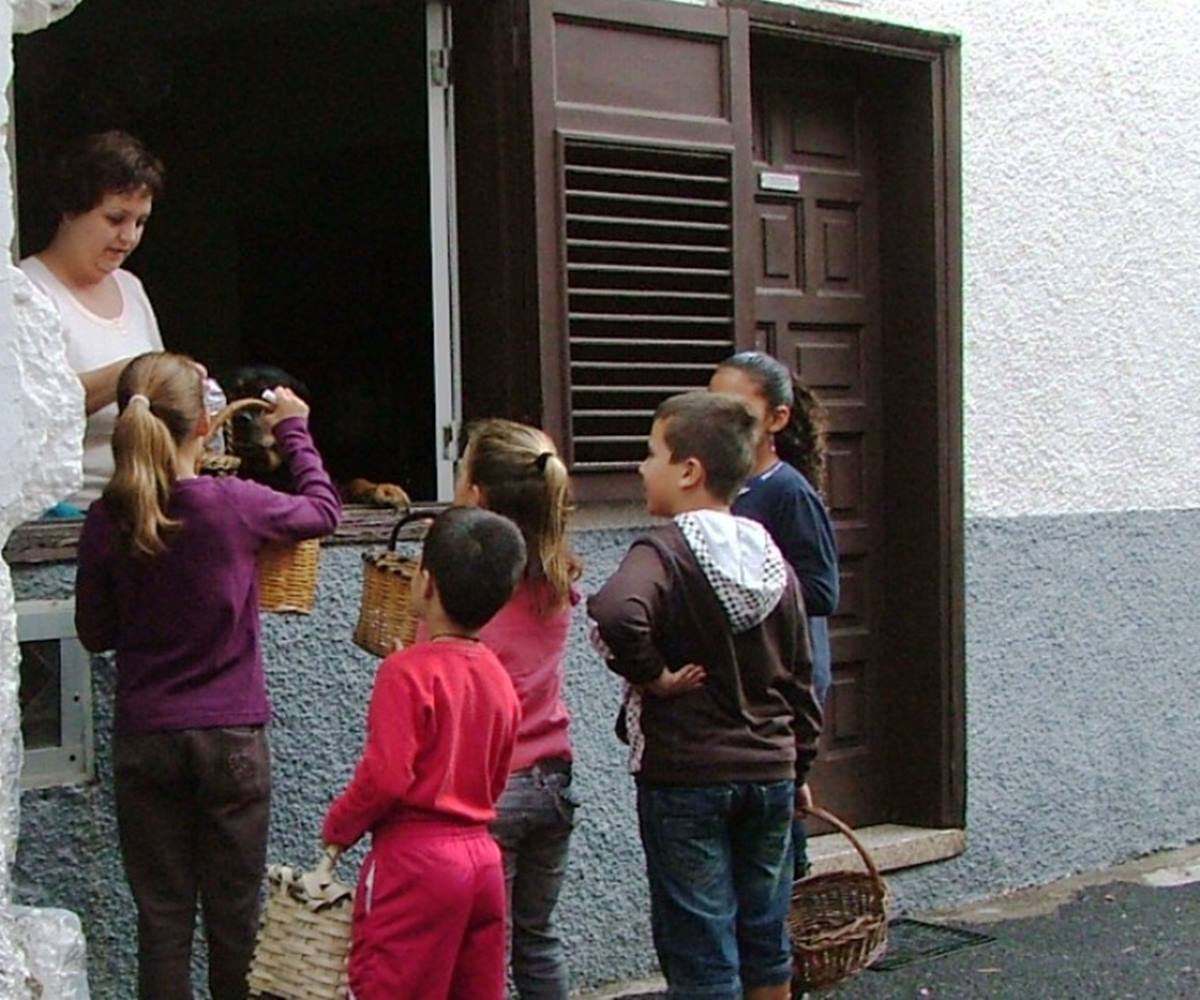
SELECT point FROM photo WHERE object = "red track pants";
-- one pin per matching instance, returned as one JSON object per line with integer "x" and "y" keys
{"x": 429, "y": 916}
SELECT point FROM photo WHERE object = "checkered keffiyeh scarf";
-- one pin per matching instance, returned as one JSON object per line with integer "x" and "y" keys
{"x": 743, "y": 565}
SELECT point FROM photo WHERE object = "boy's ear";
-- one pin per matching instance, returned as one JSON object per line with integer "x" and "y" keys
{"x": 691, "y": 473}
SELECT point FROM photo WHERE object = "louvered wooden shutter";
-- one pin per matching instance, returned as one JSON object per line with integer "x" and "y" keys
{"x": 649, "y": 282}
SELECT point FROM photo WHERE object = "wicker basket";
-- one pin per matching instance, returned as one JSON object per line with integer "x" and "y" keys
{"x": 287, "y": 576}
{"x": 383, "y": 615}
{"x": 303, "y": 935}
{"x": 287, "y": 572}
{"x": 838, "y": 921}
{"x": 221, "y": 463}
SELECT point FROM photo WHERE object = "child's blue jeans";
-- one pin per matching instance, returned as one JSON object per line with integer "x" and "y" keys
{"x": 719, "y": 862}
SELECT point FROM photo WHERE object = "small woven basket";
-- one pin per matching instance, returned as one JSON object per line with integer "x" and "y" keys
{"x": 838, "y": 920}
{"x": 221, "y": 463}
{"x": 384, "y": 615}
{"x": 287, "y": 576}
{"x": 287, "y": 572}
{"x": 303, "y": 935}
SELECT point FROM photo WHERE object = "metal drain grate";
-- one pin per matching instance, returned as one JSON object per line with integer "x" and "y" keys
{"x": 915, "y": 940}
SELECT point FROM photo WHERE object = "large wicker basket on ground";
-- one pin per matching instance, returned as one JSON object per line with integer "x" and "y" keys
{"x": 287, "y": 572}
{"x": 384, "y": 615}
{"x": 838, "y": 920}
{"x": 303, "y": 936}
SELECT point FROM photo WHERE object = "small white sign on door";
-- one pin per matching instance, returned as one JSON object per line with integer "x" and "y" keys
{"x": 768, "y": 181}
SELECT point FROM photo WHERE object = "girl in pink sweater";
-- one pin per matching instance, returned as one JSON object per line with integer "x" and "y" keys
{"x": 515, "y": 470}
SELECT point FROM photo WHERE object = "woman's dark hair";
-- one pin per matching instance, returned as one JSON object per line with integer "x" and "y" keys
{"x": 101, "y": 164}
{"x": 801, "y": 443}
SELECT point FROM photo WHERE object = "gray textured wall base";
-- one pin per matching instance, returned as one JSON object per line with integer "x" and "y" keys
{"x": 1081, "y": 640}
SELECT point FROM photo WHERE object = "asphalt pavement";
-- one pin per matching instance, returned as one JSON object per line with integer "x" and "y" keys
{"x": 1131, "y": 932}
{"x": 1120, "y": 940}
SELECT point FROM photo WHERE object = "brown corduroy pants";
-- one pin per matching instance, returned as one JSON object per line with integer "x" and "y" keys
{"x": 192, "y": 814}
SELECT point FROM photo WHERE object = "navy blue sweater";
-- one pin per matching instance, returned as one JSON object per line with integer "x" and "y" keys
{"x": 784, "y": 503}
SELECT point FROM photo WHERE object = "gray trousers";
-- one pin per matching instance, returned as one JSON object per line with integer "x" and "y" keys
{"x": 533, "y": 824}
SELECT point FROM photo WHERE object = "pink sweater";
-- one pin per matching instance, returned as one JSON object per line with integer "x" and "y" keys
{"x": 531, "y": 645}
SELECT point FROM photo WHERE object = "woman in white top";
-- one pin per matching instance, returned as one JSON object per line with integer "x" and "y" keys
{"x": 103, "y": 189}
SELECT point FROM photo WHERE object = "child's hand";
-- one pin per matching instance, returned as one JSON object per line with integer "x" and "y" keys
{"x": 286, "y": 404}
{"x": 669, "y": 683}
{"x": 804, "y": 800}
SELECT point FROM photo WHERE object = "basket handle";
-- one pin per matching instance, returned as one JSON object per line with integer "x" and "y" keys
{"x": 329, "y": 859}
{"x": 227, "y": 413}
{"x": 318, "y": 888}
{"x": 414, "y": 515}
{"x": 824, "y": 815}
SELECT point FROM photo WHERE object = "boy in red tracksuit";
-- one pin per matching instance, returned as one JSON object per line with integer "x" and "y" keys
{"x": 429, "y": 912}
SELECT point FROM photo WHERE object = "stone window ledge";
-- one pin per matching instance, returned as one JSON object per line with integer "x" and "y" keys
{"x": 38, "y": 542}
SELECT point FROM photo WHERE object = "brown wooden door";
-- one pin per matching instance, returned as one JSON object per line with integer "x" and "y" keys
{"x": 817, "y": 309}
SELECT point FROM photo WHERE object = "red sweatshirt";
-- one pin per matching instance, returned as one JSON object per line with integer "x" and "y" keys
{"x": 531, "y": 643}
{"x": 441, "y": 727}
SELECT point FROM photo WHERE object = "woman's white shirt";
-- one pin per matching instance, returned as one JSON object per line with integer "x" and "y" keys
{"x": 94, "y": 342}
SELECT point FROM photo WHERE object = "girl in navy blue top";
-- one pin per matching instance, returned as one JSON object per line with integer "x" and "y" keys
{"x": 782, "y": 494}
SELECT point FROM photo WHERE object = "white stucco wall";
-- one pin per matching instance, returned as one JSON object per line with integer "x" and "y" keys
{"x": 1081, "y": 168}
{"x": 41, "y": 436}
{"x": 1081, "y": 163}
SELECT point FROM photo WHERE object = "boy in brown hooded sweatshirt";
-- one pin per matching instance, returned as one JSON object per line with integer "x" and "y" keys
{"x": 705, "y": 621}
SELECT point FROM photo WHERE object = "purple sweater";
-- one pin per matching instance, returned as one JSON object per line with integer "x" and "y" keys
{"x": 185, "y": 623}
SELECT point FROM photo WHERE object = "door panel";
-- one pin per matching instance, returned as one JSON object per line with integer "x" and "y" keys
{"x": 817, "y": 309}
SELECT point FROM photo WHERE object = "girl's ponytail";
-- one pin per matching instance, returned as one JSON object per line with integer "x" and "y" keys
{"x": 558, "y": 565}
{"x": 160, "y": 399}
{"x": 801, "y": 442}
{"x": 522, "y": 477}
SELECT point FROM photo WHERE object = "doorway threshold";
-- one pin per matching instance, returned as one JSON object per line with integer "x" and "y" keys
{"x": 891, "y": 845}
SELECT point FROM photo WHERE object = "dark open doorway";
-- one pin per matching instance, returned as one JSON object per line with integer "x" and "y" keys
{"x": 295, "y": 225}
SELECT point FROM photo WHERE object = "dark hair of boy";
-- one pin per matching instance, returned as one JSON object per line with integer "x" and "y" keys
{"x": 476, "y": 559}
{"x": 715, "y": 429}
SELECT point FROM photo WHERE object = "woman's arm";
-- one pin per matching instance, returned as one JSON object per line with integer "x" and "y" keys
{"x": 100, "y": 385}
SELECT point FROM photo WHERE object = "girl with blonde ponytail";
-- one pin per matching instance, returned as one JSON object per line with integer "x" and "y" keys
{"x": 166, "y": 577}
{"x": 515, "y": 470}
{"x": 148, "y": 440}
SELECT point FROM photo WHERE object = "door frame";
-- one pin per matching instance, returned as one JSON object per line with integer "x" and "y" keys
{"x": 443, "y": 238}
{"x": 930, "y": 765}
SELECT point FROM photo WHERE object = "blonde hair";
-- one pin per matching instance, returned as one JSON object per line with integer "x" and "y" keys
{"x": 160, "y": 400}
{"x": 518, "y": 469}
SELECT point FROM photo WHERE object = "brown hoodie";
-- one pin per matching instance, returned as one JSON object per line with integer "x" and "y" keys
{"x": 713, "y": 589}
